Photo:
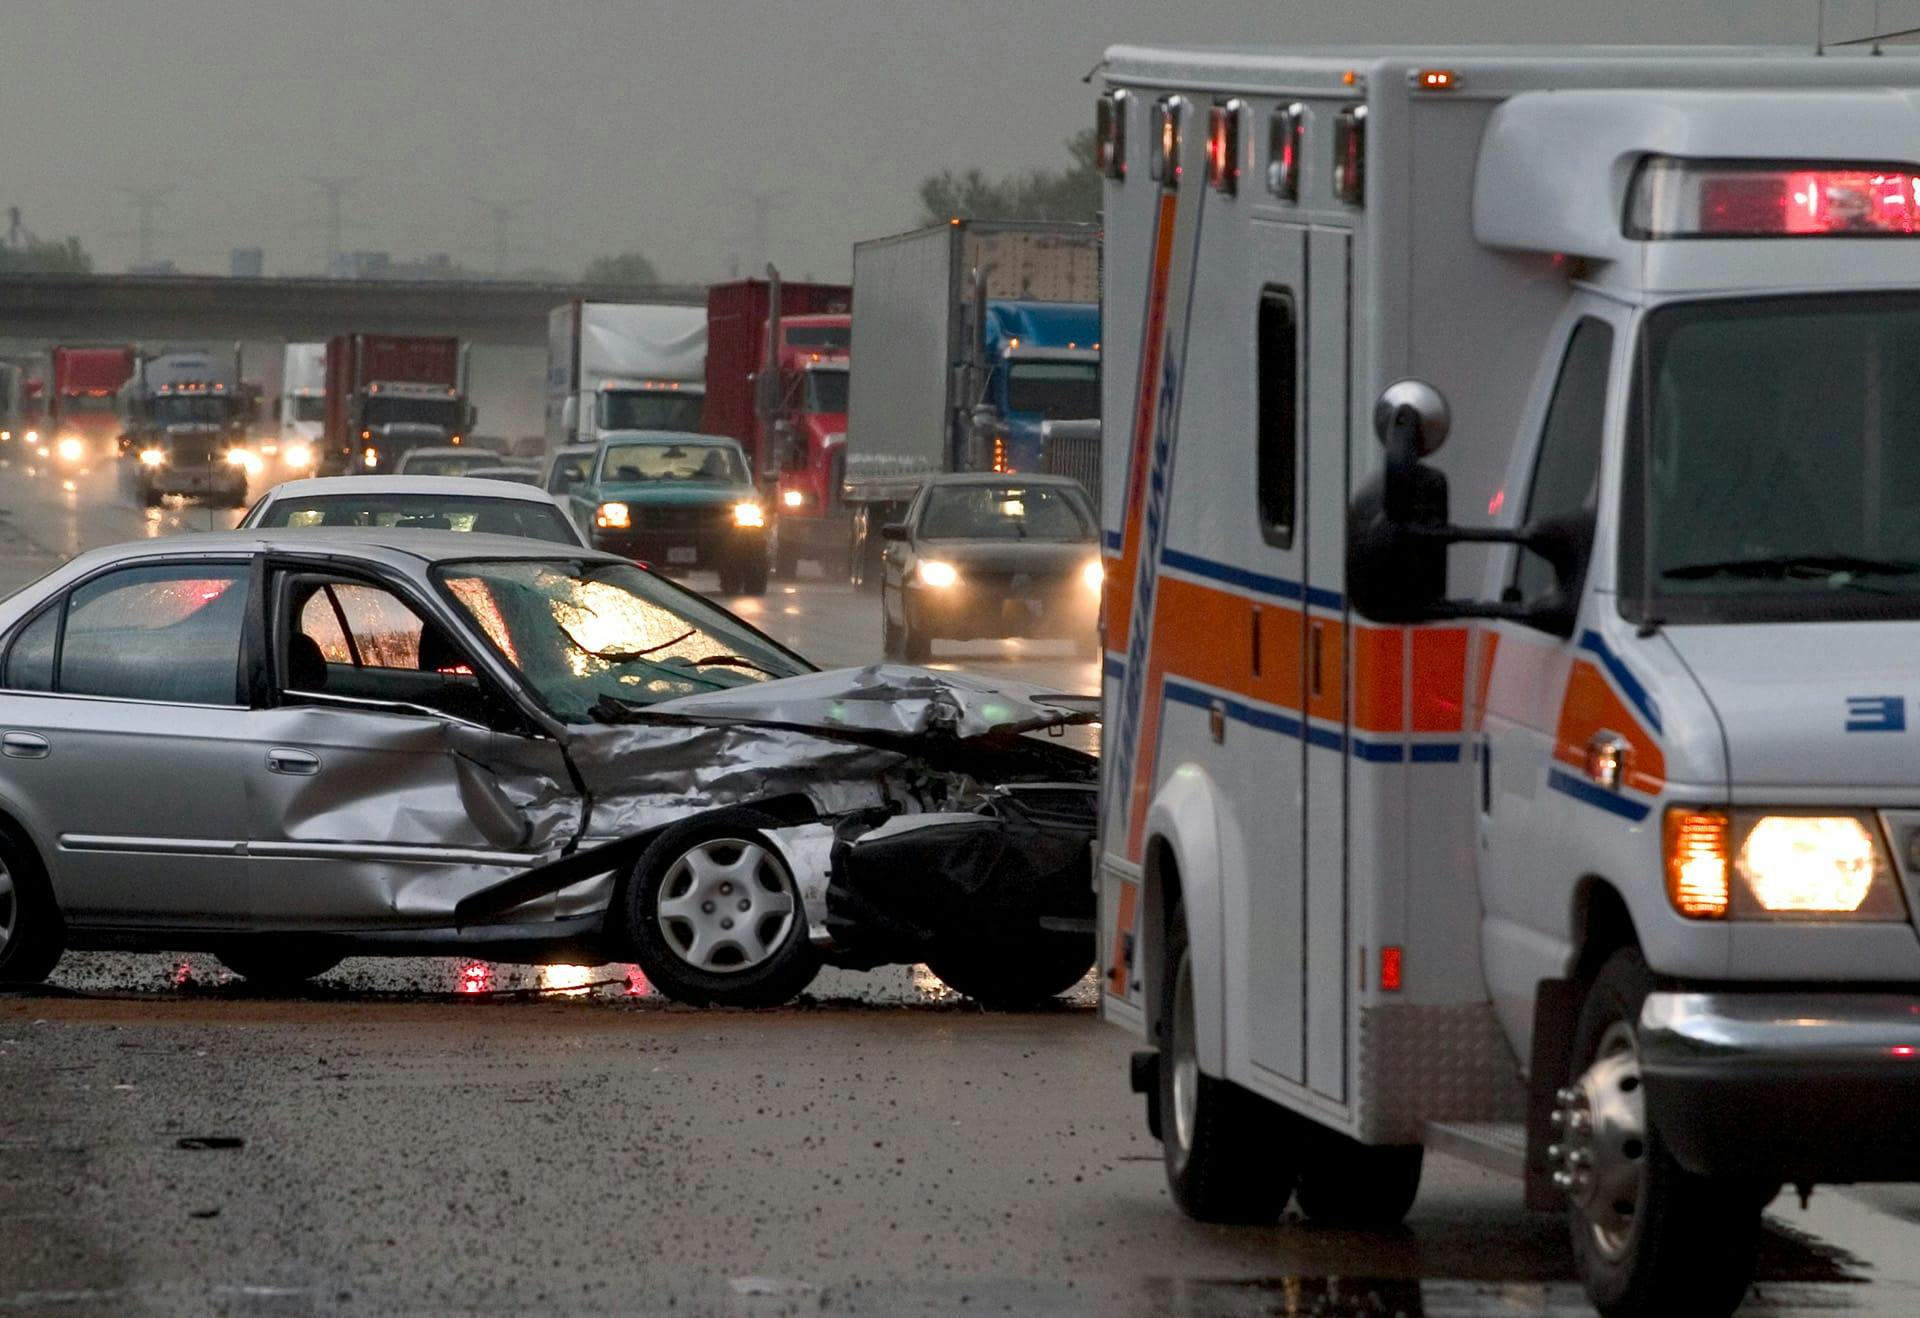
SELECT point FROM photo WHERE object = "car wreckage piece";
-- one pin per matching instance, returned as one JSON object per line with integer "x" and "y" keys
{"x": 855, "y": 817}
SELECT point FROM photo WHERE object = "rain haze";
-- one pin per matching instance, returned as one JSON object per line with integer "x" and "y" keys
{"x": 536, "y": 137}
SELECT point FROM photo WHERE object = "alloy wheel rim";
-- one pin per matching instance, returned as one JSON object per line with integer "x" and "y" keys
{"x": 1600, "y": 1153}
{"x": 1186, "y": 1059}
{"x": 9, "y": 907}
{"x": 726, "y": 906}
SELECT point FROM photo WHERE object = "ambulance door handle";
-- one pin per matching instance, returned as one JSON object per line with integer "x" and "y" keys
{"x": 1486, "y": 775}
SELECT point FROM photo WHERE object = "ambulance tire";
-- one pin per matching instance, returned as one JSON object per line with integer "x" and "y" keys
{"x": 1017, "y": 973}
{"x": 1692, "y": 1243}
{"x": 1230, "y": 1155}
{"x": 1365, "y": 1187}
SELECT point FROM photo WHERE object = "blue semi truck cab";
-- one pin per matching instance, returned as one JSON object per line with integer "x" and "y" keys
{"x": 1041, "y": 362}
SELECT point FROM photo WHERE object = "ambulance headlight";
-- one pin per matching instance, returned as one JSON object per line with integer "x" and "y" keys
{"x": 1816, "y": 865}
{"x": 937, "y": 573}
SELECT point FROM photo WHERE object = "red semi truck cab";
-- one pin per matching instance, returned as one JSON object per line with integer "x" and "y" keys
{"x": 792, "y": 421}
{"x": 83, "y": 408}
{"x": 388, "y": 394}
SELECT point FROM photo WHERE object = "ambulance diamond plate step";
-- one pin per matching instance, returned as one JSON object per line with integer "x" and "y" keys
{"x": 1499, "y": 1146}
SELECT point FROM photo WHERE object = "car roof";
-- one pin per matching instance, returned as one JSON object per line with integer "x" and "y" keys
{"x": 470, "y": 487}
{"x": 393, "y": 548}
{"x": 571, "y": 450}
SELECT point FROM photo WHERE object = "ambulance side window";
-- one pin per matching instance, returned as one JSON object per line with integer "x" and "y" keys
{"x": 1566, "y": 474}
{"x": 1278, "y": 421}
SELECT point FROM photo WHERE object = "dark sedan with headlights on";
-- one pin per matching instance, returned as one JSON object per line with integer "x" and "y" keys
{"x": 987, "y": 555}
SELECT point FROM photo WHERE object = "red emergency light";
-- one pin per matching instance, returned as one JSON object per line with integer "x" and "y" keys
{"x": 1223, "y": 146}
{"x": 1169, "y": 114}
{"x": 1110, "y": 133}
{"x": 1286, "y": 133}
{"x": 1674, "y": 198}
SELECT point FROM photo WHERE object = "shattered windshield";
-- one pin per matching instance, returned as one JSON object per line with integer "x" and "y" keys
{"x": 585, "y": 633}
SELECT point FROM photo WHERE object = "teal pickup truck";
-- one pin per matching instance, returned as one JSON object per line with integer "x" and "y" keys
{"x": 676, "y": 500}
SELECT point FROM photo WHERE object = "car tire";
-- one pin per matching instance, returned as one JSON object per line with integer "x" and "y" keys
{"x": 150, "y": 497}
{"x": 1015, "y": 973}
{"x": 33, "y": 933}
{"x": 916, "y": 647}
{"x": 273, "y": 963}
{"x": 1689, "y": 1243}
{"x": 729, "y": 582}
{"x": 1365, "y": 1187}
{"x": 676, "y": 902}
{"x": 753, "y": 575}
{"x": 892, "y": 638}
{"x": 1230, "y": 1155}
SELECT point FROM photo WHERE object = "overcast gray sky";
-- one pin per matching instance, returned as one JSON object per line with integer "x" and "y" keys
{"x": 630, "y": 124}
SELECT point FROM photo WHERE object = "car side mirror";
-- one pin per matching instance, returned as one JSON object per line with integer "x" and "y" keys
{"x": 896, "y": 531}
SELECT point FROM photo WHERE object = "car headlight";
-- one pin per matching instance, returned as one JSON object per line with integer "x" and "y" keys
{"x": 749, "y": 513}
{"x": 153, "y": 457}
{"x": 1093, "y": 575}
{"x": 239, "y": 457}
{"x": 32, "y": 437}
{"x": 71, "y": 448}
{"x": 937, "y": 573}
{"x": 613, "y": 516}
{"x": 298, "y": 455}
{"x": 369, "y": 457}
{"x": 793, "y": 498}
{"x": 1788, "y": 863}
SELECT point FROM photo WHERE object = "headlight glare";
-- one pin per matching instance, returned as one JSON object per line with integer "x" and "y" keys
{"x": 1810, "y": 864}
{"x": 1093, "y": 575}
{"x": 613, "y": 516}
{"x": 793, "y": 498}
{"x": 71, "y": 448}
{"x": 938, "y": 574}
{"x": 297, "y": 455}
{"x": 152, "y": 457}
{"x": 749, "y": 513}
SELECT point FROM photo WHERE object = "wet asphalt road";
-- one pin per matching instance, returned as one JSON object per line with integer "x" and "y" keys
{"x": 436, "y": 1136}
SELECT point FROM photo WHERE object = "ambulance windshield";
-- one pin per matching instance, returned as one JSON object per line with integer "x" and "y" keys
{"x": 1785, "y": 479}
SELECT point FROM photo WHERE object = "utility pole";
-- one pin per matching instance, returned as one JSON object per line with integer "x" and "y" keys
{"x": 144, "y": 206}
{"x": 335, "y": 191}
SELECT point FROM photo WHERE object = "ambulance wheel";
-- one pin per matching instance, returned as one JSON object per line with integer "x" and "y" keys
{"x": 1368, "y": 1187}
{"x": 270, "y": 963}
{"x": 32, "y": 932}
{"x": 1648, "y": 1236}
{"x": 1015, "y": 973}
{"x": 1230, "y": 1155}
{"x": 714, "y": 916}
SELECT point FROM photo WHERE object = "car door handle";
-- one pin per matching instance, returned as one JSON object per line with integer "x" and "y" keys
{"x": 25, "y": 746}
{"x": 301, "y": 763}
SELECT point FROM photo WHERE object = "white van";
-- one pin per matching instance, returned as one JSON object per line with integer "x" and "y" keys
{"x": 1440, "y": 811}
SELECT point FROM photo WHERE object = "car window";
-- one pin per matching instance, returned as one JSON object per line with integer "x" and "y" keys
{"x": 569, "y": 471}
{"x": 425, "y": 512}
{"x": 444, "y": 464}
{"x": 361, "y": 641}
{"x": 1567, "y": 472}
{"x": 157, "y": 633}
{"x": 30, "y": 661}
{"x": 691, "y": 461}
{"x": 1003, "y": 512}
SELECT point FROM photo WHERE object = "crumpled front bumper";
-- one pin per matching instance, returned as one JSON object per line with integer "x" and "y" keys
{"x": 1795, "y": 1086}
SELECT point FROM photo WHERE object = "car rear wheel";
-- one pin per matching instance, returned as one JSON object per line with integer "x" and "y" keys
{"x": 1010, "y": 974}
{"x": 715, "y": 917}
{"x": 270, "y": 963}
{"x": 32, "y": 932}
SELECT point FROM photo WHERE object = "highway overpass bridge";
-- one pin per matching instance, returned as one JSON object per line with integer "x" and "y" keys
{"x": 46, "y": 309}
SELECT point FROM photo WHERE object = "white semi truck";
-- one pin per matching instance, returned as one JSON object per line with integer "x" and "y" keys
{"x": 1513, "y": 568}
{"x": 303, "y": 404}
{"x": 624, "y": 366}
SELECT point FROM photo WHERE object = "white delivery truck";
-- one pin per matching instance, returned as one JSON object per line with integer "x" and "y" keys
{"x": 303, "y": 404}
{"x": 1549, "y": 795}
{"x": 623, "y": 366}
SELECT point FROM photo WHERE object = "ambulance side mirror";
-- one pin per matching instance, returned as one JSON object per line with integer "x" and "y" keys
{"x": 1396, "y": 558}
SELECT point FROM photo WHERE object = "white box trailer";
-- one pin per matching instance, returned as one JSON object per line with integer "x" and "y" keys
{"x": 623, "y": 366}
{"x": 1522, "y": 796}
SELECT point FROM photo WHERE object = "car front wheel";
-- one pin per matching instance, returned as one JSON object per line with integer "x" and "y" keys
{"x": 715, "y": 916}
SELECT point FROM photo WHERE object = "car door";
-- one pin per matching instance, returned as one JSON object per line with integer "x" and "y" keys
{"x": 123, "y": 741}
{"x": 392, "y": 782}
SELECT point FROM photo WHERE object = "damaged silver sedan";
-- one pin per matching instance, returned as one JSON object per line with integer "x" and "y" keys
{"x": 291, "y": 747}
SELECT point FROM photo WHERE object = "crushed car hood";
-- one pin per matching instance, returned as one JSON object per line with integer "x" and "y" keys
{"x": 891, "y": 700}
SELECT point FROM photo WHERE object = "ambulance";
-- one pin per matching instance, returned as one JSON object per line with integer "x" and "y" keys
{"x": 1512, "y": 676}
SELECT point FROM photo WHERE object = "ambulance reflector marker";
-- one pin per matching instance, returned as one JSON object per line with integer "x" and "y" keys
{"x": 1389, "y": 970}
{"x": 1675, "y": 198}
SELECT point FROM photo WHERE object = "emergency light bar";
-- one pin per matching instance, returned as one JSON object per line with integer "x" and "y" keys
{"x": 1169, "y": 112}
{"x": 1223, "y": 145}
{"x": 1675, "y": 198}
{"x": 1110, "y": 133}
